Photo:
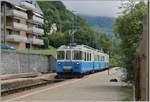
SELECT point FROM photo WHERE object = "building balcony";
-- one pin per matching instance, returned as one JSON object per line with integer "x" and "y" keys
{"x": 17, "y": 13}
{"x": 20, "y": 26}
{"x": 16, "y": 38}
{"x": 27, "y": 5}
{"x": 36, "y": 30}
{"x": 36, "y": 41}
{"x": 38, "y": 19}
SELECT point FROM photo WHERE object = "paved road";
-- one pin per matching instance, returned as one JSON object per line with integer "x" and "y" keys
{"x": 95, "y": 87}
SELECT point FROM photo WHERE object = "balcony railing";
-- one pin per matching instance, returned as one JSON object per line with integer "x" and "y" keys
{"x": 20, "y": 26}
{"x": 38, "y": 19}
{"x": 17, "y": 13}
{"x": 36, "y": 30}
{"x": 16, "y": 38}
{"x": 28, "y": 5}
{"x": 36, "y": 41}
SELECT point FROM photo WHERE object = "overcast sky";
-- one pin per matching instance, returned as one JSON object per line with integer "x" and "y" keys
{"x": 94, "y": 8}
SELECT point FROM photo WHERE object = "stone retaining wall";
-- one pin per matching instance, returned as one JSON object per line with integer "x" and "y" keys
{"x": 13, "y": 63}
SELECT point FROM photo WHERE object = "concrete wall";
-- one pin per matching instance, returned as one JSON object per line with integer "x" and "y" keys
{"x": 13, "y": 63}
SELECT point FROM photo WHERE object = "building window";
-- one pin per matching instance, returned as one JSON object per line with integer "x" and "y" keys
{"x": 8, "y": 32}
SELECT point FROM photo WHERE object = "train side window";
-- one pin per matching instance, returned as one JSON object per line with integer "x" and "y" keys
{"x": 97, "y": 57}
{"x": 100, "y": 58}
{"x": 89, "y": 56}
{"x": 77, "y": 55}
{"x": 84, "y": 54}
{"x": 60, "y": 55}
{"x": 94, "y": 57}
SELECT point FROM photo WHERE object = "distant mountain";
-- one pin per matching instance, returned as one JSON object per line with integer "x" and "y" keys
{"x": 100, "y": 23}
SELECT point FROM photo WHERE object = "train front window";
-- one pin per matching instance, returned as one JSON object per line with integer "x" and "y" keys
{"x": 68, "y": 55}
{"x": 60, "y": 55}
{"x": 77, "y": 55}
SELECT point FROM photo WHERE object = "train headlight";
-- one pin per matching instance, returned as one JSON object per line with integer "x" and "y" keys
{"x": 78, "y": 63}
{"x": 59, "y": 63}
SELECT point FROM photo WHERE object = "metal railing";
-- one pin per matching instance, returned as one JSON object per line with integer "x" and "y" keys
{"x": 27, "y": 5}
{"x": 20, "y": 26}
{"x": 36, "y": 41}
{"x": 38, "y": 19}
{"x": 17, "y": 13}
{"x": 17, "y": 38}
{"x": 36, "y": 30}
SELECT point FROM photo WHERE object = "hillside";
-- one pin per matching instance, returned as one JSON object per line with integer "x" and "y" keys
{"x": 56, "y": 12}
{"x": 100, "y": 23}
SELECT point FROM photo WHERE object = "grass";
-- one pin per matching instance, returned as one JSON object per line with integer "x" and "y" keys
{"x": 50, "y": 51}
{"x": 128, "y": 93}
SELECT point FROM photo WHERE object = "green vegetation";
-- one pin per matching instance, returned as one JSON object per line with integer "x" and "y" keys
{"x": 128, "y": 93}
{"x": 50, "y": 51}
{"x": 128, "y": 28}
{"x": 56, "y": 12}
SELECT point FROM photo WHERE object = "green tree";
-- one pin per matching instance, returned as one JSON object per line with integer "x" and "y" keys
{"x": 85, "y": 36}
{"x": 57, "y": 39}
{"x": 128, "y": 28}
{"x": 56, "y": 12}
{"x": 105, "y": 43}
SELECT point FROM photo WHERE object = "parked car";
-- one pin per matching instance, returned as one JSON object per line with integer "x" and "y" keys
{"x": 6, "y": 46}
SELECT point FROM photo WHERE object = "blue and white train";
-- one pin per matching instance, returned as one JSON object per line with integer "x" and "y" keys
{"x": 80, "y": 59}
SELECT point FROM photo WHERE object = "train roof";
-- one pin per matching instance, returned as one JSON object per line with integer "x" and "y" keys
{"x": 80, "y": 47}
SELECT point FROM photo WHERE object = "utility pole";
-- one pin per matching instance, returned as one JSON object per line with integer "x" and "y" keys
{"x": 4, "y": 23}
{"x": 73, "y": 28}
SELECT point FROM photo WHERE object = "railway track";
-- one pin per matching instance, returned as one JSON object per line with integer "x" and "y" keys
{"x": 11, "y": 91}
